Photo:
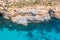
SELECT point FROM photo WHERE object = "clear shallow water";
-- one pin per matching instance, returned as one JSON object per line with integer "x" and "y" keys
{"x": 42, "y": 31}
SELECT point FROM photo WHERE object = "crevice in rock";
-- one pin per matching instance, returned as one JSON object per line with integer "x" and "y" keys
{"x": 1, "y": 14}
{"x": 51, "y": 11}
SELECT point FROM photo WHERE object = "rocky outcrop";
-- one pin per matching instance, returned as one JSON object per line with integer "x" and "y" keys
{"x": 29, "y": 14}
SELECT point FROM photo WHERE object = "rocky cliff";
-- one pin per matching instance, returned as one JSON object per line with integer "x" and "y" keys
{"x": 26, "y": 14}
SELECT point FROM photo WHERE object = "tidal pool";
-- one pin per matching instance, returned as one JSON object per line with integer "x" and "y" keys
{"x": 49, "y": 30}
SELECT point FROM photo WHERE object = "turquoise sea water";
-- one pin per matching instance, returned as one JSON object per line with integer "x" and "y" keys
{"x": 49, "y": 30}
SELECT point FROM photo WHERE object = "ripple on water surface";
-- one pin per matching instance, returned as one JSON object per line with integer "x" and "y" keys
{"x": 34, "y": 31}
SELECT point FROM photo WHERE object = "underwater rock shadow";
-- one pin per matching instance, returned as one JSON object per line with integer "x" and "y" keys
{"x": 48, "y": 26}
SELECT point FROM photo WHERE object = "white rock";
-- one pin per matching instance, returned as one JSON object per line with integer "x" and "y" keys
{"x": 33, "y": 11}
{"x": 31, "y": 18}
{"x": 20, "y": 20}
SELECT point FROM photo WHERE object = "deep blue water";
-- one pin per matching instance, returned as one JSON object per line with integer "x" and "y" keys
{"x": 49, "y": 30}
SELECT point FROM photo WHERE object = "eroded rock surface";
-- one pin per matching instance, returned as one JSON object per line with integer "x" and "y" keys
{"x": 26, "y": 15}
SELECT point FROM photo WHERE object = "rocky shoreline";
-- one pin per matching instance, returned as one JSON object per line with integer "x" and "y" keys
{"x": 29, "y": 14}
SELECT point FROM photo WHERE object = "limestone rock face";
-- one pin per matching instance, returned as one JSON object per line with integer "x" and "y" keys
{"x": 57, "y": 15}
{"x": 20, "y": 20}
{"x": 26, "y": 15}
{"x": 57, "y": 12}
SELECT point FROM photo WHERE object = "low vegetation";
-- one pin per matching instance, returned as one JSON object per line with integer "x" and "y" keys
{"x": 36, "y": 2}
